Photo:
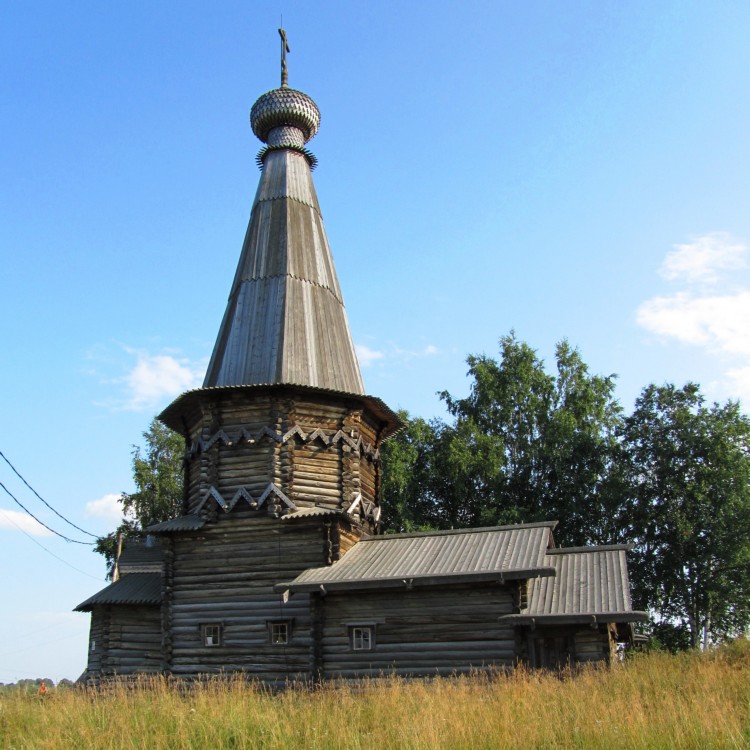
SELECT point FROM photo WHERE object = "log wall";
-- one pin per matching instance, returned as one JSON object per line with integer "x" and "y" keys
{"x": 593, "y": 645}
{"x": 133, "y": 640}
{"x": 318, "y": 450}
{"x": 557, "y": 647}
{"x": 436, "y": 630}
{"x": 225, "y": 575}
{"x": 96, "y": 639}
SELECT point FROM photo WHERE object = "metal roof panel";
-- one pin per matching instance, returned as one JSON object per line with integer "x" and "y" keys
{"x": 134, "y": 588}
{"x": 487, "y": 552}
{"x": 587, "y": 581}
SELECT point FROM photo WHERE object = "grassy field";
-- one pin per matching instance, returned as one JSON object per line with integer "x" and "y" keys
{"x": 651, "y": 701}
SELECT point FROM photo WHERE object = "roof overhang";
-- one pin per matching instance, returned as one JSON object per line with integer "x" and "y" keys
{"x": 132, "y": 589}
{"x": 173, "y": 415}
{"x": 191, "y": 522}
{"x": 576, "y": 618}
{"x": 378, "y": 584}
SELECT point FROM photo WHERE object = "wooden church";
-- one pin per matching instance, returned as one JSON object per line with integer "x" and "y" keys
{"x": 277, "y": 569}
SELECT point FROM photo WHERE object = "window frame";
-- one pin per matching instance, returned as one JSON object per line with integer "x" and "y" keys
{"x": 279, "y": 623}
{"x": 357, "y": 639}
{"x": 217, "y": 628}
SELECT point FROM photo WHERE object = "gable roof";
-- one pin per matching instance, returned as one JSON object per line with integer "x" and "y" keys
{"x": 590, "y": 585}
{"x": 134, "y": 588}
{"x": 465, "y": 555}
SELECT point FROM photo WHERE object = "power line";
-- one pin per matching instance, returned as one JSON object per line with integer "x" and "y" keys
{"x": 49, "y": 552}
{"x": 18, "y": 474}
{"x": 49, "y": 528}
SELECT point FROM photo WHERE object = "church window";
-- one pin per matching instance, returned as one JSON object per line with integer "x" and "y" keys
{"x": 362, "y": 637}
{"x": 211, "y": 634}
{"x": 280, "y": 632}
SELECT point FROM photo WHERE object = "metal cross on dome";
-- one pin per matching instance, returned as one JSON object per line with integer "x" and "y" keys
{"x": 284, "y": 50}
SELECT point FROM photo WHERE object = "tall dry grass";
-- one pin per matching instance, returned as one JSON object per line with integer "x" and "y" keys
{"x": 652, "y": 701}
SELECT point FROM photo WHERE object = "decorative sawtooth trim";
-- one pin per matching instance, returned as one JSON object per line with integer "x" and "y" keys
{"x": 245, "y": 437}
{"x": 270, "y": 199}
{"x": 355, "y": 504}
{"x": 296, "y": 430}
{"x": 271, "y": 433}
{"x": 312, "y": 160}
{"x": 367, "y": 510}
{"x": 272, "y": 489}
{"x": 319, "y": 434}
{"x": 216, "y": 495}
{"x": 358, "y": 445}
{"x": 216, "y": 437}
{"x": 243, "y": 493}
{"x": 341, "y": 435}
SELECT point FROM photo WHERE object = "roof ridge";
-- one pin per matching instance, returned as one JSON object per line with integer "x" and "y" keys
{"x": 591, "y": 548}
{"x": 446, "y": 532}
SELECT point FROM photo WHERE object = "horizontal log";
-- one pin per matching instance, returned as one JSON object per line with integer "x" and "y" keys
{"x": 417, "y": 650}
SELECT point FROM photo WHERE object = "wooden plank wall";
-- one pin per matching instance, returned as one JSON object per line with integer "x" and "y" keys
{"x": 225, "y": 575}
{"x": 424, "y": 631}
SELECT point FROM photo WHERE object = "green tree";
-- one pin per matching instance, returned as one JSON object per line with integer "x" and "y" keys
{"x": 524, "y": 446}
{"x": 407, "y": 460}
{"x": 527, "y": 445}
{"x": 685, "y": 477}
{"x": 158, "y": 477}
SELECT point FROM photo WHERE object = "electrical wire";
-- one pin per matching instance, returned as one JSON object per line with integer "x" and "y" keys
{"x": 18, "y": 474}
{"x": 49, "y": 552}
{"x": 49, "y": 528}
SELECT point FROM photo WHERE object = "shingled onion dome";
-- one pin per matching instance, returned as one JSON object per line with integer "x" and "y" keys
{"x": 285, "y": 118}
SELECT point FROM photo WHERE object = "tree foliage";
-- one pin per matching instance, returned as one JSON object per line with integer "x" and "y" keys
{"x": 407, "y": 460}
{"x": 524, "y": 445}
{"x": 685, "y": 471}
{"x": 158, "y": 478}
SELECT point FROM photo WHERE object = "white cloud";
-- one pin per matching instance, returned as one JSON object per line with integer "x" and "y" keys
{"x": 719, "y": 323}
{"x": 156, "y": 378}
{"x": 15, "y": 519}
{"x": 711, "y": 308}
{"x": 703, "y": 259}
{"x": 367, "y": 356}
{"x": 106, "y": 507}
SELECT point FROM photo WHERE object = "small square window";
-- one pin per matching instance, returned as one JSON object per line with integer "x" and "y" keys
{"x": 279, "y": 632}
{"x": 211, "y": 634}
{"x": 92, "y": 646}
{"x": 362, "y": 637}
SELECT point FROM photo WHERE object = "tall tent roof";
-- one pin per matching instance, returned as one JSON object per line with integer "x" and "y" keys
{"x": 285, "y": 321}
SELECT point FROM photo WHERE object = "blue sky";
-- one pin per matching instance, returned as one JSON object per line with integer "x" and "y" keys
{"x": 572, "y": 170}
